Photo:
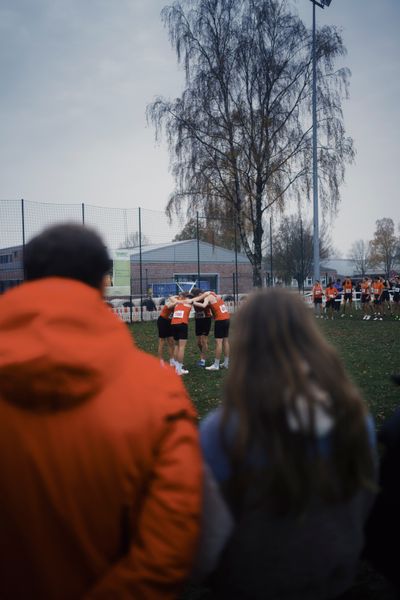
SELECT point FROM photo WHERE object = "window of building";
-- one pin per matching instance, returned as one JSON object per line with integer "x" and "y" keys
{"x": 208, "y": 281}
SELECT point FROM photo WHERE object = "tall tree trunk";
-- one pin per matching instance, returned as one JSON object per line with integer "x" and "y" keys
{"x": 258, "y": 237}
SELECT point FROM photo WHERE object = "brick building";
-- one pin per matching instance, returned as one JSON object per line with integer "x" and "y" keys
{"x": 160, "y": 264}
{"x": 11, "y": 267}
{"x": 178, "y": 261}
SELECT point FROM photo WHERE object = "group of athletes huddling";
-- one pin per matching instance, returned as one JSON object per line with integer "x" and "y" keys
{"x": 173, "y": 327}
{"x": 374, "y": 295}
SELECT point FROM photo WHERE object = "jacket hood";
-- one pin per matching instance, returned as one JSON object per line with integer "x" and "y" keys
{"x": 59, "y": 344}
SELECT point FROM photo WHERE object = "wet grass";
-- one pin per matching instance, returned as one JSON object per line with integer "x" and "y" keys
{"x": 369, "y": 349}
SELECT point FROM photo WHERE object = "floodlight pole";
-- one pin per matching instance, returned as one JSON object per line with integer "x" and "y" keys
{"x": 321, "y": 4}
{"x": 315, "y": 156}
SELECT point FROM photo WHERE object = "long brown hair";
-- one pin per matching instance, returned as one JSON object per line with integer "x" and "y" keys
{"x": 279, "y": 359}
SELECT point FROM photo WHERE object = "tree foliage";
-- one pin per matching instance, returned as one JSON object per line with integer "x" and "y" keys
{"x": 216, "y": 225}
{"x": 132, "y": 240}
{"x": 240, "y": 134}
{"x": 360, "y": 253}
{"x": 385, "y": 245}
{"x": 292, "y": 249}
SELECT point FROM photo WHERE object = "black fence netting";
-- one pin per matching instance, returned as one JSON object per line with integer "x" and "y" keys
{"x": 148, "y": 265}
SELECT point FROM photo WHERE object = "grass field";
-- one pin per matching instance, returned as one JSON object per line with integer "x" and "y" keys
{"x": 370, "y": 351}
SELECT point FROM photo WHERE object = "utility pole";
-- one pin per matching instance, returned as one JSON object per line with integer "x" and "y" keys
{"x": 321, "y": 4}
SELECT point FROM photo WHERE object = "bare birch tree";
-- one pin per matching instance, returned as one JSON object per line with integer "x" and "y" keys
{"x": 241, "y": 131}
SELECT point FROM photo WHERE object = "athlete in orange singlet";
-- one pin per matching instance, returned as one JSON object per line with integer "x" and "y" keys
{"x": 165, "y": 331}
{"x": 366, "y": 298}
{"x": 347, "y": 296}
{"x": 317, "y": 294}
{"x": 221, "y": 327}
{"x": 179, "y": 326}
{"x": 202, "y": 321}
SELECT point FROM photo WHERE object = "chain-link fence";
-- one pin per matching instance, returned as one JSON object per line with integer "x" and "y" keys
{"x": 147, "y": 265}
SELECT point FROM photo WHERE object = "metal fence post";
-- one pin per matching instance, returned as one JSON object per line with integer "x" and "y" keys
{"x": 198, "y": 249}
{"x": 236, "y": 264}
{"x": 140, "y": 263}
{"x": 83, "y": 213}
{"x": 270, "y": 247}
{"x": 23, "y": 236}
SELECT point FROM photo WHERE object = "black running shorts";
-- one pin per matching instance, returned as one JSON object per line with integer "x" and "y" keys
{"x": 164, "y": 328}
{"x": 203, "y": 325}
{"x": 180, "y": 331}
{"x": 221, "y": 329}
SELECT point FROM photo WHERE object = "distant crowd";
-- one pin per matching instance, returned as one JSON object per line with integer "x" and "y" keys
{"x": 379, "y": 297}
{"x": 111, "y": 489}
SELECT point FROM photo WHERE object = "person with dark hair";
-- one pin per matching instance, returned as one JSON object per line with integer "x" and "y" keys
{"x": 100, "y": 465}
{"x": 68, "y": 251}
{"x": 293, "y": 450}
{"x": 396, "y": 297}
{"x": 383, "y": 525}
{"x": 377, "y": 289}
{"x": 385, "y": 296}
{"x": 338, "y": 300}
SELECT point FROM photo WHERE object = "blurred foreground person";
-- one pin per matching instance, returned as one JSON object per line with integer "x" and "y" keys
{"x": 293, "y": 450}
{"x": 100, "y": 468}
{"x": 383, "y": 527}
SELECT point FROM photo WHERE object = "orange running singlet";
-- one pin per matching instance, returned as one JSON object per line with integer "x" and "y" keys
{"x": 181, "y": 313}
{"x": 167, "y": 311}
{"x": 219, "y": 309}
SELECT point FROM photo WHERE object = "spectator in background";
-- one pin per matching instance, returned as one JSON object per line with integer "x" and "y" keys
{"x": 149, "y": 304}
{"x": 385, "y": 297}
{"x": 377, "y": 289}
{"x": 338, "y": 298}
{"x": 396, "y": 297}
{"x": 100, "y": 467}
{"x": 292, "y": 448}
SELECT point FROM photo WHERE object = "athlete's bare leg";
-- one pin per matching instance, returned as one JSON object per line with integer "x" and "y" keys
{"x": 171, "y": 347}
{"x": 160, "y": 348}
{"x": 181, "y": 350}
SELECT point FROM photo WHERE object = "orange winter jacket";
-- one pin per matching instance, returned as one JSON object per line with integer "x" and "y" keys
{"x": 100, "y": 468}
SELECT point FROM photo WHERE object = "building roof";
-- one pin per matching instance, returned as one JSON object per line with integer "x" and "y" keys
{"x": 345, "y": 267}
{"x": 186, "y": 252}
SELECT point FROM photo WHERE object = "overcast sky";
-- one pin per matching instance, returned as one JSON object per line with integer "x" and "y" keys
{"x": 76, "y": 76}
